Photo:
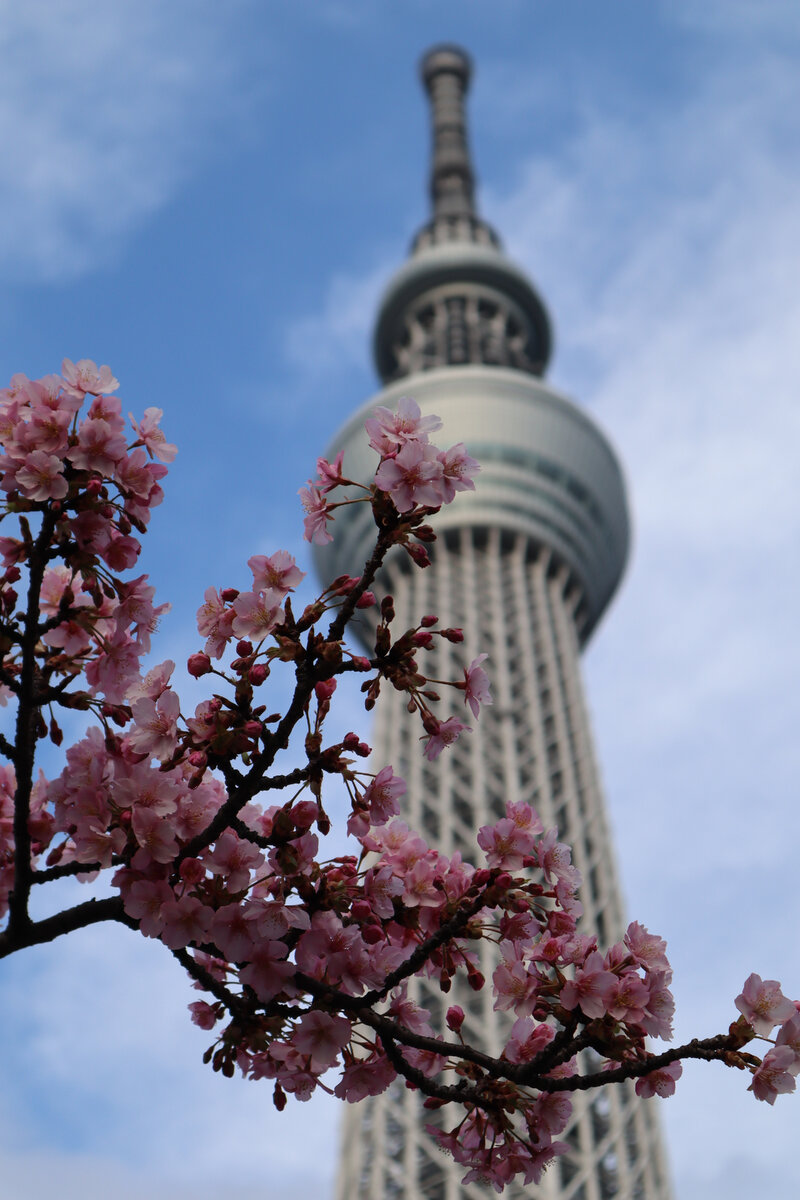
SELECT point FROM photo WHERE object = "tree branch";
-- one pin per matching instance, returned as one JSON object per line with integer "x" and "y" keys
{"x": 91, "y": 912}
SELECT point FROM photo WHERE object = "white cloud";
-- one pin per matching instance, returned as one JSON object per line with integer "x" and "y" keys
{"x": 103, "y": 110}
{"x": 337, "y": 337}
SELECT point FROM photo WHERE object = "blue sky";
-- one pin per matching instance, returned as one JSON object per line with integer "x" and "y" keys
{"x": 209, "y": 198}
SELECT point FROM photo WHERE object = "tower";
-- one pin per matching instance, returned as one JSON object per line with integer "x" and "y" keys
{"x": 526, "y": 565}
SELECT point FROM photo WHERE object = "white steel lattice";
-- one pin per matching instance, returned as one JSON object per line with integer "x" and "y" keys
{"x": 516, "y": 602}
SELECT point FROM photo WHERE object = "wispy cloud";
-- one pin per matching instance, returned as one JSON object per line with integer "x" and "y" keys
{"x": 103, "y": 110}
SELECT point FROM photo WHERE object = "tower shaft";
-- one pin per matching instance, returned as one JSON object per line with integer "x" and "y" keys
{"x": 525, "y": 565}
{"x": 515, "y": 602}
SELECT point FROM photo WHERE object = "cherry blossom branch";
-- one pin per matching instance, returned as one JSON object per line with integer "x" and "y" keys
{"x": 28, "y": 716}
{"x": 90, "y": 912}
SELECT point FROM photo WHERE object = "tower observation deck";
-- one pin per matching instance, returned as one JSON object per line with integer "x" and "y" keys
{"x": 526, "y": 565}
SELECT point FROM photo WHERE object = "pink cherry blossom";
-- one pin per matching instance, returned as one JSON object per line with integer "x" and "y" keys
{"x": 98, "y": 448}
{"x": 256, "y": 614}
{"x": 321, "y": 1036}
{"x": 763, "y": 1004}
{"x": 365, "y": 1077}
{"x": 775, "y": 1076}
{"x": 412, "y": 477}
{"x": 661, "y": 1082}
{"x": 387, "y": 430}
{"x": 85, "y": 377}
{"x": 457, "y": 472}
{"x": 147, "y": 430}
{"x": 382, "y": 795}
{"x": 278, "y": 572}
{"x": 444, "y": 734}
{"x": 315, "y": 522}
{"x": 476, "y": 685}
{"x": 591, "y": 989}
{"x": 40, "y": 477}
{"x": 156, "y": 725}
{"x": 215, "y": 623}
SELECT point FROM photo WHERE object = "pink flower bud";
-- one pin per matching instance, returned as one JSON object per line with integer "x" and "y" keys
{"x": 253, "y": 729}
{"x": 362, "y": 664}
{"x": 373, "y": 934}
{"x": 455, "y": 1017}
{"x": 453, "y": 635}
{"x": 324, "y": 689}
{"x": 198, "y": 759}
{"x": 304, "y": 813}
{"x": 243, "y": 648}
{"x": 258, "y": 674}
{"x": 228, "y": 595}
{"x": 366, "y": 601}
{"x": 361, "y": 910}
{"x": 428, "y": 621}
{"x": 350, "y": 742}
{"x": 198, "y": 664}
{"x": 419, "y": 554}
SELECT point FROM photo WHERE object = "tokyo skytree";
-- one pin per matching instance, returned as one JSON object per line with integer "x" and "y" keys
{"x": 525, "y": 565}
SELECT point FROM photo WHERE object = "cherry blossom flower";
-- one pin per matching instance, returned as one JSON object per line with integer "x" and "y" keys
{"x": 457, "y": 472}
{"x": 256, "y": 614}
{"x": 444, "y": 734}
{"x": 775, "y": 1076}
{"x": 661, "y": 1082}
{"x": 156, "y": 730}
{"x": 215, "y": 623}
{"x": 382, "y": 794}
{"x": 387, "y": 430}
{"x": 40, "y": 477}
{"x": 315, "y": 523}
{"x": 412, "y": 477}
{"x": 321, "y": 1036}
{"x": 763, "y": 1004}
{"x": 591, "y": 989}
{"x": 476, "y": 685}
{"x": 147, "y": 430}
{"x": 85, "y": 377}
{"x": 278, "y": 572}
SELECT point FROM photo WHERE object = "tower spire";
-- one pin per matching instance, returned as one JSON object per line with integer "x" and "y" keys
{"x": 458, "y": 300}
{"x": 446, "y": 72}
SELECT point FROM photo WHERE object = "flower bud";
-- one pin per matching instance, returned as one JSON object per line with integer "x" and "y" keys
{"x": 455, "y": 1017}
{"x": 324, "y": 689}
{"x": 198, "y": 664}
{"x": 366, "y": 601}
{"x": 258, "y": 674}
{"x": 243, "y": 648}
{"x": 228, "y": 595}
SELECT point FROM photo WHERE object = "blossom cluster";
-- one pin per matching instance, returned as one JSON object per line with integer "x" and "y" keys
{"x": 305, "y": 961}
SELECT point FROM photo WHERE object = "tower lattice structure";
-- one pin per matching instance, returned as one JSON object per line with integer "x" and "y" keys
{"x": 525, "y": 565}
